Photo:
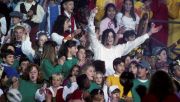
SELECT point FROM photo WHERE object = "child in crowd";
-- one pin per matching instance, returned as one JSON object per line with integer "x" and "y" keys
{"x": 81, "y": 55}
{"x": 133, "y": 67}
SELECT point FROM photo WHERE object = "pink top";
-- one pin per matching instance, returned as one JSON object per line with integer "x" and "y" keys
{"x": 106, "y": 23}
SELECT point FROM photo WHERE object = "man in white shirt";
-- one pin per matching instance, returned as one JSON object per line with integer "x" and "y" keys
{"x": 106, "y": 51}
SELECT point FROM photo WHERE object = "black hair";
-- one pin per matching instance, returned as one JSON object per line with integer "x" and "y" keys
{"x": 132, "y": 13}
{"x": 99, "y": 66}
{"x": 110, "y": 5}
{"x": 5, "y": 46}
{"x": 117, "y": 61}
{"x": 7, "y": 52}
{"x": 23, "y": 58}
{"x": 81, "y": 80}
{"x": 80, "y": 47}
{"x": 129, "y": 33}
{"x": 58, "y": 26}
{"x": 106, "y": 34}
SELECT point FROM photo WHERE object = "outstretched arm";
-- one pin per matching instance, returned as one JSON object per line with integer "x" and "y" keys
{"x": 130, "y": 45}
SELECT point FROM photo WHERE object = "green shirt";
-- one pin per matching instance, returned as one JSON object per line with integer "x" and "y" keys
{"x": 93, "y": 86}
{"x": 48, "y": 68}
{"x": 68, "y": 64}
{"x": 28, "y": 90}
{"x": 136, "y": 83}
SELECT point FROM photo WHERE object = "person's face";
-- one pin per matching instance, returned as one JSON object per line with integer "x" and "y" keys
{"x": 73, "y": 50}
{"x": 15, "y": 20}
{"x": 90, "y": 72}
{"x": 19, "y": 34}
{"x": 133, "y": 69}
{"x": 33, "y": 74}
{"x": 120, "y": 67}
{"x": 24, "y": 65}
{"x": 42, "y": 40}
{"x": 56, "y": 81}
{"x": 81, "y": 54}
{"x": 111, "y": 12}
{"x": 142, "y": 72}
{"x": 69, "y": 6}
{"x": 110, "y": 39}
{"x": 99, "y": 79}
{"x": 127, "y": 60}
{"x": 67, "y": 25}
{"x": 75, "y": 71}
{"x": 9, "y": 59}
{"x": 115, "y": 97}
{"x": 128, "y": 5}
{"x": 11, "y": 48}
{"x": 163, "y": 56}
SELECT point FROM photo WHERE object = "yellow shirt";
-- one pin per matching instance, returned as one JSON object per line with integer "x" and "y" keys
{"x": 114, "y": 80}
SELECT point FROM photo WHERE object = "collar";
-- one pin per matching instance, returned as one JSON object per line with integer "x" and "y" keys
{"x": 5, "y": 65}
{"x": 69, "y": 58}
{"x": 116, "y": 75}
{"x": 143, "y": 81}
{"x": 67, "y": 14}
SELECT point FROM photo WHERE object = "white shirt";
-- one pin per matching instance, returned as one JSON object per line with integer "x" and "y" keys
{"x": 39, "y": 12}
{"x": 127, "y": 22}
{"x": 3, "y": 27}
{"x": 109, "y": 54}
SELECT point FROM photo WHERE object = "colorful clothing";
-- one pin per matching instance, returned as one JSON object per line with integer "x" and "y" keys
{"x": 114, "y": 80}
{"x": 48, "y": 68}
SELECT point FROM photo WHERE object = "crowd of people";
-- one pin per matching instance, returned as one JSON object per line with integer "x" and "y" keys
{"x": 89, "y": 51}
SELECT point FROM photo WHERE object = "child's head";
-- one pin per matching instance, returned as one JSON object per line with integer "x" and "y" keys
{"x": 161, "y": 53}
{"x": 19, "y": 32}
{"x": 133, "y": 67}
{"x": 110, "y": 11}
{"x": 83, "y": 81}
{"x": 118, "y": 65}
{"x": 70, "y": 48}
{"x": 8, "y": 57}
{"x": 8, "y": 46}
{"x": 129, "y": 35}
{"x": 75, "y": 70}
{"x": 57, "y": 79}
{"x": 99, "y": 78}
{"x": 128, "y": 5}
{"x": 23, "y": 63}
{"x": 89, "y": 70}
{"x": 68, "y": 5}
{"x": 42, "y": 37}
{"x": 97, "y": 95}
{"x": 33, "y": 74}
{"x": 81, "y": 54}
{"x": 143, "y": 69}
{"x": 108, "y": 37}
{"x": 114, "y": 93}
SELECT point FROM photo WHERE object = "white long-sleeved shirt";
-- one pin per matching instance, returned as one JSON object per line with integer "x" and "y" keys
{"x": 109, "y": 54}
{"x": 3, "y": 27}
{"x": 39, "y": 12}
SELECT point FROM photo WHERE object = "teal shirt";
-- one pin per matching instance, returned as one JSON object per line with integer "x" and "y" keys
{"x": 136, "y": 83}
{"x": 93, "y": 86}
{"x": 28, "y": 90}
{"x": 48, "y": 68}
{"x": 68, "y": 64}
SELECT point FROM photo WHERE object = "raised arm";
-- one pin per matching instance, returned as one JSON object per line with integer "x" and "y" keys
{"x": 130, "y": 45}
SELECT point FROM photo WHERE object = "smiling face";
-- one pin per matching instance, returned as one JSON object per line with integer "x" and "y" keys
{"x": 110, "y": 39}
{"x": 81, "y": 54}
{"x": 111, "y": 12}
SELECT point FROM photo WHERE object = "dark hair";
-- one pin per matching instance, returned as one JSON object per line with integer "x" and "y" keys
{"x": 97, "y": 94}
{"x": 80, "y": 47}
{"x": 99, "y": 66}
{"x": 5, "y": 46}
{"x": 28, "y": 69}
{"x": 110, "y": 5}
{"x": 106, "y": 34}
{"x": 81, "y": 80}
{"x": 23, "y": 58}
{"x": 132, "y": 13}
{"x": 161, "y": 85}
{"x": 117, "y": 61}
{"x": 7, "y": 52}
{"x": 58, "y": 26}
{"x": 64, "y": 48}
{"x": 129, "y": 33}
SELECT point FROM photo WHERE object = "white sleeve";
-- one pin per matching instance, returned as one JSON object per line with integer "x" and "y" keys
{"x": 105, "y": 90}
{"x": 67, "y": 91}
{"x": 3, "y": 26}
{"x": 57, "y": 38}
{"x": 119, "y": 19}
{"x": 39, "y": 97}
{"x": 1, "y": 92}
{"x": 27, "y": 48}
{"x": 95, "y": 43}
{"x": 39, "y": 15}
{"x": 130, "y": 45}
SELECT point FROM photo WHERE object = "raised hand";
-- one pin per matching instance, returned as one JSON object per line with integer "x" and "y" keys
{"x": 154, "y": 29}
